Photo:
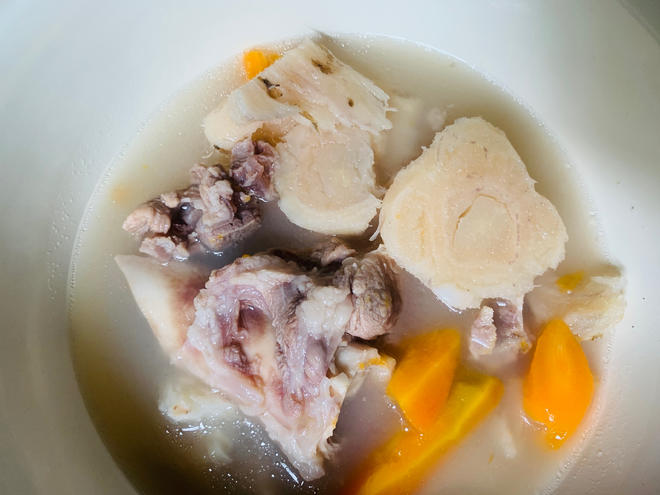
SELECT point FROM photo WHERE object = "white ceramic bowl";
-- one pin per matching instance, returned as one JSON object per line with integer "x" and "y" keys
{"x": 77, "y": 79}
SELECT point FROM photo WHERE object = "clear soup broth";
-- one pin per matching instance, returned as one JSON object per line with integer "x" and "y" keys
{"x": 121, "y": 369}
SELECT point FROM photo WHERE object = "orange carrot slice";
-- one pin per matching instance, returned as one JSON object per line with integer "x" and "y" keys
{"x": 559, "y": 386}
{"x": 399, "y": 466}
{"x": 421, "y": 381}
{"x": 255, "y": 61}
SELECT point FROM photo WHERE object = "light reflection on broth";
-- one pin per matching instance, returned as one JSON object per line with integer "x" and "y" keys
{"x": 121, "y": 369}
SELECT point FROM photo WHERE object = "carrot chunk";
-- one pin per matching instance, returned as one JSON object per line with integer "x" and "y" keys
{"x": 559, "y": 385}
{"x": 421, "y": 381}
{"x": 254, "y": 61}
{"x": 400, "y": 465}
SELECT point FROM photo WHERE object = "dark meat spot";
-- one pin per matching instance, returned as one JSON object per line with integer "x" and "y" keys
{"x": 184, "y": 219}
{"x": 251, "y": 318}
{"x": 273, "y": 89}
{"x": 323, "y": 67}
{"x": 351, "y": 102}
{"x": 298, "y": 258}
{"x": 275, "y": 92}
{"x": 324, "y": 259}
{"x": 210, "y": 214}
{"x": 306, "y": 114}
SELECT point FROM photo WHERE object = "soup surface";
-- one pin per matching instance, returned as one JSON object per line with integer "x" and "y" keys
{"x": 122, "y": 370}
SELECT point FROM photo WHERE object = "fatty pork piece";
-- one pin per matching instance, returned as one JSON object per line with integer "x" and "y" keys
{"x": 593, "y": 306}
{"x": 307, "y": 85}
{"x": 270, "y": 336}
{"x": 209, "y": 215}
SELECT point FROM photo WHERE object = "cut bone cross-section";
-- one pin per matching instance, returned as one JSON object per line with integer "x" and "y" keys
{"x": 321, "y": 115}
{"x": 465, "y": 219}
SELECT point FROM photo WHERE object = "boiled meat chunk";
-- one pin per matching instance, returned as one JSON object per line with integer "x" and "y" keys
{"x": 497, "y": 334}
{"x": 265, "y": 335}
{"x": 376, "y": 301}
{"x": 465, "y": 219}
{"x": 252, "y": 168}
{"x": 209, "y": 215}
{"x": 272, "y": 335}
{"x": 330, "y": 252}
{"x": 483, "y": 332}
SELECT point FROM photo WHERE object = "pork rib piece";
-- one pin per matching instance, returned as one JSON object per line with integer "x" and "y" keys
{"x": 372, "y": 284}
{"x": 267, "y": 333}
{"x": 209, "y": 215}
{"x": 497, "y": 334}
{"x": 252, "y": 167}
